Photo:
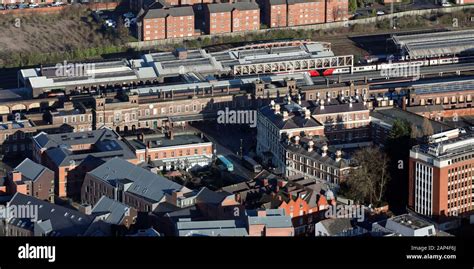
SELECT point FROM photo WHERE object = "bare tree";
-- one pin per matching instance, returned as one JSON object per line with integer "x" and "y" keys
{"x": 427, "y": 127}
{"x": 368, "y": 182}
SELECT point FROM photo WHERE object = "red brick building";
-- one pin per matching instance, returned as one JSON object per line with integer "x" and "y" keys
{"x": 337, "y": 10}
{"x": 282, "y": 13}
{"x": 440, "y": 177}
{"x": 274, "y": 13}
{"x": 303, "y": 12}
{"x": 236, "y": 17}
{"x": 31, "y": 179}
{"x": 168, "y": 23}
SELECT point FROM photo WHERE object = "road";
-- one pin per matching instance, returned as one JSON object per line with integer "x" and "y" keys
{"x": 226, "y": 140}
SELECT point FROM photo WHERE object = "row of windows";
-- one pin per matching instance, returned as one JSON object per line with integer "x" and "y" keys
{"x": 74, "y": 118}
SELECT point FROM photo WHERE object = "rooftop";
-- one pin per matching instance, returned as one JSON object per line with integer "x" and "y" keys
{"x": 62, "y": 148}
{"x": 53, "y": 220}
{"x": 137, "y": 180}
{"x": 436, "y": 44}
{"x": 114, "y": 210}
{"x": 30, "y": 170}
{"x": 390, "y": 115}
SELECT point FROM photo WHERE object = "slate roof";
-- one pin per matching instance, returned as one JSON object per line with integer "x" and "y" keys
{"x": 30, "y": 170}
{"x": 227, "y": 7}
{"x": 277, "y": 2}
{"x": 53, "y": 220}
{"x": 205, "y": 195}
{"x": 105, "y": 143}
{"x": 114, "y": 210}
{"x": 337, "y": 225}
{"x": 143, "y": 182}
{"x": 296, "y": 117}
{"x": 173, "y": 12}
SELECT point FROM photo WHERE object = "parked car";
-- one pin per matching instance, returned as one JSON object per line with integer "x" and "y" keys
{"x": 446, "y": 4}
{"x": 380, "y": 13}
{"x": 21, "y": 6}
{"x": 33, "y": 5}
{"x": 110, "y": 23}
{"x": 129, "y": 15}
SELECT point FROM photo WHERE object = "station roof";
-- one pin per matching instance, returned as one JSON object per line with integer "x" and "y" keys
{"x": 436, "y": 44}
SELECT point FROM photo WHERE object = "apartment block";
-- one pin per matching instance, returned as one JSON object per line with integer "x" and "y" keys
{"x": 337, "y": 10}
{"x": 232, "y": 17}
{"x": 303, "y": 12}
{"x": 166, "y": 23}
{"x": 275, "y": 13}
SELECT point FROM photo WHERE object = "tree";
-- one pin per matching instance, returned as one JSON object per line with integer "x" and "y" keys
{"x": 367, "y": 183}
{"x": 415, "y": 132}
{"x": 397, "y": 146}
{"x": 427, "y": 127}
{"x": 399, "y": 129}
{"x": 353, "y": 5}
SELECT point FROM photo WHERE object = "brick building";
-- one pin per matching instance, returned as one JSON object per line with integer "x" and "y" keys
{"x": 132, "y": 185}
{"x": 441, "y": 176}
{"x": 63, "y": 153}
{"x": 119, "y": 112}
{"x": 275, "y": 13}
{"x": 232, "y": 17}
{"x": 303, "y": 12}
{"x": 80, "y": 118}
{"x": 172, "y": 151}
{"x": 336, "y": 10}
{"x": 30, "y": 178}
{"x": 166, "y": 23}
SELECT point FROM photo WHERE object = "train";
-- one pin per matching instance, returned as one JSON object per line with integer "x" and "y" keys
{"x": 226, "y": 163}
{"x": 251, "y": 164}
{"x": 390, "y": 65}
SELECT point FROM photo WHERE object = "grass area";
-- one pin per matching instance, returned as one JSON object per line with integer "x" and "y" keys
{"x": 69, "y": 35}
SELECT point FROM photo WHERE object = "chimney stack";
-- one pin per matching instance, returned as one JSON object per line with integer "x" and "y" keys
{"x": 16, "y": 176}
{"x": 272, "y": 104}
{"x": 297, "y": 139}
{"x": 285, "y": 115}
{"x": 277, "y": 109}
{"x": 324, "y": 151}
{"x": 68, "y": 106}
{"x": 310, "y": 146}
{"x": 338, "y": 155}
{"x": 288, "y": 99}
{"x": 307, "y": 114}
{"x": 321, "y": 104}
